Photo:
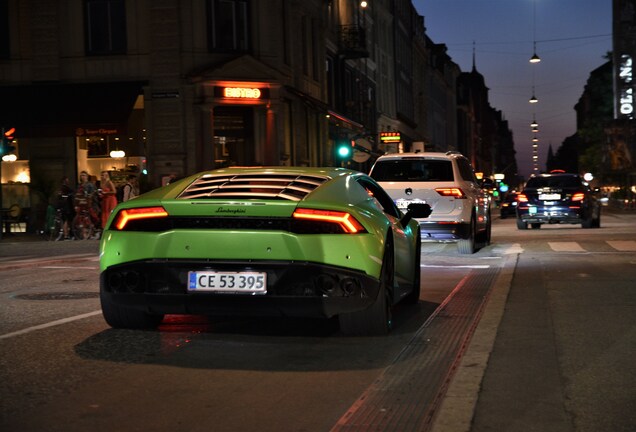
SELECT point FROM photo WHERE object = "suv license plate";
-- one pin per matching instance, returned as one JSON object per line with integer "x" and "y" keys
{"x": 532, "y": 210}
{"x": 228, "y": 282}
{"x": 549, "y": 197}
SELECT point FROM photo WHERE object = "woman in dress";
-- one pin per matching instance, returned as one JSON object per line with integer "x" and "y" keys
{"x": 109, "y": 199}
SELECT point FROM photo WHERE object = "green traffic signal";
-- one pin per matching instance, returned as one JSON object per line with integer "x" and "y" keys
{"x": 344, "y": 150}
{"x": 5, "y": 142}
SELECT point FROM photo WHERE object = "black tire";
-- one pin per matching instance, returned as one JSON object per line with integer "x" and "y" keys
{"x": 82, "y": 227}
{"x": 535, "y": 225}
{"x": 521, "y": 224}
{"x": 57, "y": 231}
{"x": 467, "y": 246}
{"x": 126, "y": 318}
{"x": 414, "y": 296}
{"x": 596, "y": 222}
{"x": 376, "y": 320}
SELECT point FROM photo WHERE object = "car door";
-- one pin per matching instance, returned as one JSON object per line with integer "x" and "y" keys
{"x": 403, "y": 238}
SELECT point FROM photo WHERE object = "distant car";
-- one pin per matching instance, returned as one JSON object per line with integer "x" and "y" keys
{"x": 298, "y": 242}
{"x": 445, "y": 181}
{"x": 508, "y": 206}
{"x": 558, "y": 198}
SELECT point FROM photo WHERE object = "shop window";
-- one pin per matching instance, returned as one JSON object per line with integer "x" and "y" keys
{"x": 228, "y": 25}
{"x": 105, "y": 22}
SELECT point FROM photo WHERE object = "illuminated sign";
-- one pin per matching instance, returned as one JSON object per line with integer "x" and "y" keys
{"x": 390, "y": 137}
{"x": 241, "y": 92}
{"x": 626, "y": 95}
{"x": 245, "y": 93}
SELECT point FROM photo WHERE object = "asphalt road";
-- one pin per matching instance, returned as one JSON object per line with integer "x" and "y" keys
{"x": 534, "y": 332}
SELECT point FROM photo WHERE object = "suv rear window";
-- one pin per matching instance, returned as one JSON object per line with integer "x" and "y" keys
{"x": 553, "y": 181}
{"x": 416, "y": 169}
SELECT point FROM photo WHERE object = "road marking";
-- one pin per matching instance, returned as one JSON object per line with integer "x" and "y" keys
{"x": 566, "y": 247}
{"x": 70, "y": 267}
{"x": 50, "y": 324}
{"x": 479, "y": 266}
{"x": 508, "y": 249}
{"x": 623, "y": 245}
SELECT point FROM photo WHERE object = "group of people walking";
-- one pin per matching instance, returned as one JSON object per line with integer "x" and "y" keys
{"x": 95, "y": 201}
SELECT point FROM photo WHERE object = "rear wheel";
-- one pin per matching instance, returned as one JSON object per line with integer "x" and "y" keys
{"x": 376, "y": 320}
{"x": 467, "y": 245}
{"x": 126, "y": 318}
{"x": 521, "y": 224}
{"x": 82, "y": 227}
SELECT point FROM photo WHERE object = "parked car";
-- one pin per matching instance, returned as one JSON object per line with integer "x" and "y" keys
{"x": 445, "y": 181}
{"x": 298, "y": 242}
{"x": 558, "y": 198}
{"x": 508, "y": 205}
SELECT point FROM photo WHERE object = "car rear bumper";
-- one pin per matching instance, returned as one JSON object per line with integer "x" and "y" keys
{"x": 553, "y": 215}
{"x": 295, "y": 289}
{"x": 444, "y": 231}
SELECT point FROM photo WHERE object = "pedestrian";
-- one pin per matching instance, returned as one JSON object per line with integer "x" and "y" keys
{"x": 107, "y": 194}
{"x": 85, "y": 198}
{"x": 131, "y": 188}
{"x": 65, "y": 205}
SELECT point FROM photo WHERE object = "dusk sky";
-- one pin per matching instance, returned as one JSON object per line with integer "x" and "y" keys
{"x": 572, "y": 38}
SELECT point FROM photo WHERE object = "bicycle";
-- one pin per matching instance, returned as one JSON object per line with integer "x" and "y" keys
{"x": 56, "y": 226}
{"x": 83, "y": 225}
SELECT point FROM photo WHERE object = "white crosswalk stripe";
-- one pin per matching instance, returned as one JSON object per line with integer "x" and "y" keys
{"x": 623, "y": 245}
{"x": 566, "y": 247}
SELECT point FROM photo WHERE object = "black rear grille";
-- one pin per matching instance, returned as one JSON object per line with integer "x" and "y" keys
{"x": 253, "y": 186}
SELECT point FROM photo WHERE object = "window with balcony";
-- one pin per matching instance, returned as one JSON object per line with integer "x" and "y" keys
{"x": 228, "y": 25}
{"x": 105, "y": 22}
{"x": 4, "y": 30}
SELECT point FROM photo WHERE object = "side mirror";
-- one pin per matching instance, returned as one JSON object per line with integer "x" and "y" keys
{"x": 416, "y": 210}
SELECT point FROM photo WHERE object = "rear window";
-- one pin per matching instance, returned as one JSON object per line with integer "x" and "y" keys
{"x": 553, "y": 181}
{"x": 416, "y": 169}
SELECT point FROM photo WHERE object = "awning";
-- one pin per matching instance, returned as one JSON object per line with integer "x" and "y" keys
{"x": 60, "y": 109}
{"x": 335, "y": 118}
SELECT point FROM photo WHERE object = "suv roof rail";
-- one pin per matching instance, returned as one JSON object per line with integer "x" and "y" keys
{"x": 453, "y": 152}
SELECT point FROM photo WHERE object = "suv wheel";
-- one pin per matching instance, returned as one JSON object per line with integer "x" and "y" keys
{"x": 467, "y": 245}
{"x": 521, "y": 224}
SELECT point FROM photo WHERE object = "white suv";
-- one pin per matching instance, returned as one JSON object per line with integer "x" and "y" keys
{"x": 446, "y": 182}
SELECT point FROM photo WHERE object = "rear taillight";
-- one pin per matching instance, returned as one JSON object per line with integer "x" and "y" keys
{"x": 451, "y": 192}
{"x": 579, "y": 196}
{"x": 522, "y": 198}
{"x": 127, "y": 215}
{"x": 347, "y": 223}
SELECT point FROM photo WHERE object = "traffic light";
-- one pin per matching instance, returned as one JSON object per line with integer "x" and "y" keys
{"x": 344, "y": 150}
{"x": 5, "y": 142}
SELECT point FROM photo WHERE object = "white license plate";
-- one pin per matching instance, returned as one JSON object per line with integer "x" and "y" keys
{"x": 549, "y": 197}
{"x": 403, "y": 204}
{"x": 228, "y": 282}
{"x": 532, "y": 210}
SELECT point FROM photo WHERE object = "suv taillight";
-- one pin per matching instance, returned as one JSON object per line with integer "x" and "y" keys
{"x": 451, "y": 192}
{"x": 522, "y": 198}
{"x": 579, "y": 196}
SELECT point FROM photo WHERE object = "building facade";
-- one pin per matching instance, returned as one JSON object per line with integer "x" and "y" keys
{"x": 167, "y": 88}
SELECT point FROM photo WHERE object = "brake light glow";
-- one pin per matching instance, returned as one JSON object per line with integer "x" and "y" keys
{"x": 127, "y": 215}
{"x": 522, "y": 198}
{"x": 451, "y": 192}
{"x": 579, "y": 196}
{"x": 348, "y": 223}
